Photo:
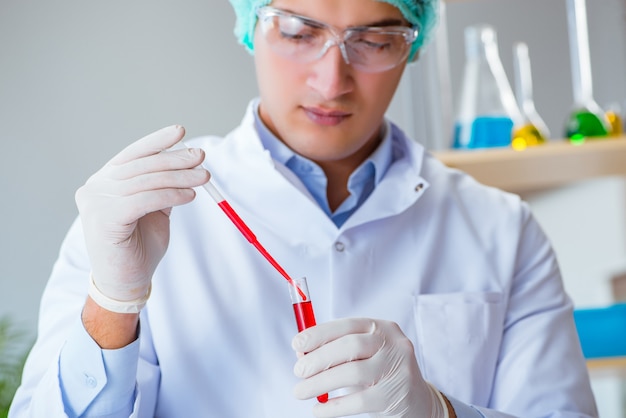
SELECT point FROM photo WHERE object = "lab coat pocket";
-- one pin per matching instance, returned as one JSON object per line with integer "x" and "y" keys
{"x": 459, "y": 336}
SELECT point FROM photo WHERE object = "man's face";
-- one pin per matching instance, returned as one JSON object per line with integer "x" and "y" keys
{"x": 326, "y": 110}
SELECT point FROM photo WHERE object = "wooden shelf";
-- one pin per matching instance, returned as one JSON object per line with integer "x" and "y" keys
{"x": 607, "y": 367}
{"x": 554, "y": 164}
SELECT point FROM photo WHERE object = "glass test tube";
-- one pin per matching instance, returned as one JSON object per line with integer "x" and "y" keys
{"x": 303, "y": 311}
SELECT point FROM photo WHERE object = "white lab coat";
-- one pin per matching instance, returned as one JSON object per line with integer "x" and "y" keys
{"x": 463, "y": 269}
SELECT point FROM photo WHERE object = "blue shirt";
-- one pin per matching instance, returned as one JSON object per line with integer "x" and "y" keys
{"x": 360, "y": 184}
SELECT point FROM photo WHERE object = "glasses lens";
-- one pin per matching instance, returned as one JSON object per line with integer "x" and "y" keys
{"x": 292, "y": 36}
{"x": 369, "y": 49}
{"x": 378, "y": 49}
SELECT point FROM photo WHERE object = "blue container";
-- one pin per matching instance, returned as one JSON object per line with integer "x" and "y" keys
{"x": 602, "y": 331}
{"x": 485, "y": 132}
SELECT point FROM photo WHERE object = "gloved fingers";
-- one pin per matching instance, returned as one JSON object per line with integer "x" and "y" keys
{"x": 177, "y": 179}
{"x": 360, "y": 373}
{"x": 314, "y": 337}
{"x": 360, "y": 401}
{"x": 144, "y": 203}
{"x": 179, "y": 159}
{"x": 123, "y": 211}
{"x": 345, "y": 349}
{"x": 150, "y": 144}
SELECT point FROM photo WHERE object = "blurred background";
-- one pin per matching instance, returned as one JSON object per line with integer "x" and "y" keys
{"x": 81, "y": 80}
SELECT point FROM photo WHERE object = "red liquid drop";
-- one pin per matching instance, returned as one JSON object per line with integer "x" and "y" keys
{"x": 305, "y": 318}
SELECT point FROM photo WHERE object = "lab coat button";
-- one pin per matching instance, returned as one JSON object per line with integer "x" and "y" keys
{"x": 91, "y": 381}
{"x": 340, "y": 246}
{"x": 419, "y": 187}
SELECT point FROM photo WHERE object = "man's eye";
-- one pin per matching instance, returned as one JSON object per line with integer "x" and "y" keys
{"x": 378, "y": 44}
{"x": 375, "y": 45}
{"x": 295, "y": 36}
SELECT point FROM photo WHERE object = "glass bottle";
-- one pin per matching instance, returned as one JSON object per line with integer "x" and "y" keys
{"x": 586, "y": 118}
{"x": 614, "y": 116}
{"x": 487, "y": 109}
{"x": 533, "y": 130}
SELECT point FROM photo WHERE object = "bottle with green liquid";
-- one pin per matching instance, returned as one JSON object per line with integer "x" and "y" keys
{"x": 487, "y": 109}
{"x": 587, "y": 119}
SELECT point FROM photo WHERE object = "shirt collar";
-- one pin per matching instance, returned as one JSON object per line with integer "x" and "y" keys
{"x": 380, "y": 159}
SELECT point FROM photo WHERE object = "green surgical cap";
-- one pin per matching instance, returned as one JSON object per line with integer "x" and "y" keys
{"x": 422, "y": 13}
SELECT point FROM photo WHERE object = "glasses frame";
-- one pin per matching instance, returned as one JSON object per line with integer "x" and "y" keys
{"x": 340, "y": 36}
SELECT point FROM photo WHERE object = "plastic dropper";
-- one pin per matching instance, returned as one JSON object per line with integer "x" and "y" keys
{"x": 303, "y": 309}
{"x": 243, "y": 228}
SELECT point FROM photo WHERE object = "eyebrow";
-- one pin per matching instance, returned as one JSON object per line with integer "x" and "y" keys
{"x": 385, "y": 22}
{"x": 388, "y": 22}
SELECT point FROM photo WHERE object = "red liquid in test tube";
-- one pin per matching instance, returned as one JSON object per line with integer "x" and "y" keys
{"x": 305, "y": 317}
{"x": 303, "y": 310}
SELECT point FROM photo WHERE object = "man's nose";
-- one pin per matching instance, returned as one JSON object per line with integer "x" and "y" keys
{"x": 331, "y": 75}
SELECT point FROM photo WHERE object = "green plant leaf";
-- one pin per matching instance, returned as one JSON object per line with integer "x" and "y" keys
{"x": 14, "y": 347}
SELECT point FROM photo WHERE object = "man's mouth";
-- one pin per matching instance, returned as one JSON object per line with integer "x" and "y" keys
{"x": 326, "y": 117}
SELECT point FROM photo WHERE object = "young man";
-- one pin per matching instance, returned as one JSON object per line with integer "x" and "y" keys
{"x": 435, "y": 296}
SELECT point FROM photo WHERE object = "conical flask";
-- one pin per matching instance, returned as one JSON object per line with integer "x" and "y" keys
{"x": 586, "y": 118}
{"x": 533, "y": 131}
{"x": 487, "y": 109}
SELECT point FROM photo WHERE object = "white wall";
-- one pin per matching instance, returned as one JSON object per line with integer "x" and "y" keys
{"x": 78, "y": 81}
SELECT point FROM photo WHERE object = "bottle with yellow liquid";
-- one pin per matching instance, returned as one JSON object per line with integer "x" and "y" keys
{"x": 613, "y": 114}
{"x": 533, "y": 130}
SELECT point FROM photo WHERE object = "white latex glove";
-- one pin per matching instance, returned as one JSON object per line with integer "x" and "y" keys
{"x": 374, "y": 360}
{"x": 125, "y": 207}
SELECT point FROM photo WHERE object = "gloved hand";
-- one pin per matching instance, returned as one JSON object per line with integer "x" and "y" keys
{"x": 125, "y": 207}
{"x": 374, "y": 360}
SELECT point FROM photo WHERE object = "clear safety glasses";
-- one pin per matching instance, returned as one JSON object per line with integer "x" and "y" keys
{"x": 367, "y": 48}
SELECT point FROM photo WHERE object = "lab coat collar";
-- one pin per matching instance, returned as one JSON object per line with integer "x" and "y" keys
{"x": 249, "y": 178}
{"x": 401, "y": 187}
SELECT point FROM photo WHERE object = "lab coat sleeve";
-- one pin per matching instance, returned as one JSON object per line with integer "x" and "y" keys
{"x": 541, "y": 370}
{"x": 66, "y": 371}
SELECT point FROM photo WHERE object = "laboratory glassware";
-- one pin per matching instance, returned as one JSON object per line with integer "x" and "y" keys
{"x": 613, "y": 114}
{"x": 533, "y": 130}
{"x": 487, "y": 110}
{"x": 303, "y": 311}
{"x": 586, "y": 118}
